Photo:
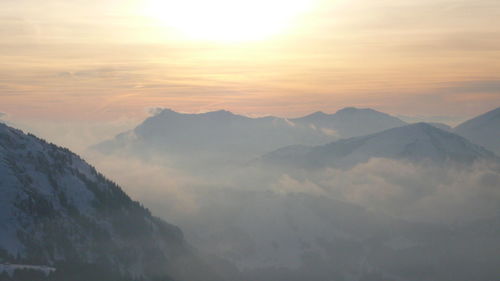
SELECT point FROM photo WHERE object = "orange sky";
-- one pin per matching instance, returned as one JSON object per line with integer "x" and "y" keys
{"x": 104, "y": 60}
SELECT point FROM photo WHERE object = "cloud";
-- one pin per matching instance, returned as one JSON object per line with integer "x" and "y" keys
{"x": 155, "y": 110}
{"x": 479, "y": 86}
{"x": 469, "y": 87}
{"x": 329, "y": 132}
{"x": 417, "y": 192}
{"x": 261, "y": 218}
{"x": 103, "y": 72}
{"x": 288, "y": 185}
{"x": 65, "y": 55}
{"x": 6, "y": 118}
{"x": 17, "y": 29}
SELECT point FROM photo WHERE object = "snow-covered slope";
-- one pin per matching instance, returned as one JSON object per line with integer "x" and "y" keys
{"x": 483, "y": 130}
{"x": 219, "y": 135}
{"x": 351, "y": 122}
{"x": 58, "y": 211}
{"x": 416, "y": 143}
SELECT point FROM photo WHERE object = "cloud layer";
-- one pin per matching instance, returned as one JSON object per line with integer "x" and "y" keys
{"x": 257, "y": 218}
{"x": 425, "y": 57}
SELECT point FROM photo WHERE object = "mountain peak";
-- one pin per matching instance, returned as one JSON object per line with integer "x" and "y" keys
{"x": 419, "y": 130}
{"x": 483, "y": 130}
{"x": 351, "y": 121}
{"x": 221, "y": 113}
{"x": 352, "y": 110}
{"x": 483, "y": 118}
{"x": 318, "y": 114}
{"x": 418, "y": 125}
{"x": 442, "y": 126}
{"x": 416, "y": 142}
{"x": 162, "y": 111}
{"x": 348, "y": 109}
{"x": 167, "y": 112}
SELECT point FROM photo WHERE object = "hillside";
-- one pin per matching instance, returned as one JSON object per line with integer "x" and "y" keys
{"x": 58, "y": 211}
{"x": 483, "y": 130}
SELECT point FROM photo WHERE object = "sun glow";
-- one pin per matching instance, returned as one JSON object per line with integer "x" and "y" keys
{"x": 227, "y": 20}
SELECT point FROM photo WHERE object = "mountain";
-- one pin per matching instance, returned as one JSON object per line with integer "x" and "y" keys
{"x": 351, "y": 122}
{"x": 483, "y": 130}
{"x": 416, "y": 143}
{"x": 441, "y": 126}
{"x": 215, "y": 136}
{"x": 56, "y": 211}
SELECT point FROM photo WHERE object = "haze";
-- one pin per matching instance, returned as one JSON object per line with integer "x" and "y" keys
{"x": 104, "y": 60}
{"x": 264, "y": 140}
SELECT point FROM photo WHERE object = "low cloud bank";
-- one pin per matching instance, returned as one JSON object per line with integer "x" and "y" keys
{"x": 428, "y": 193}
{"x": 258, "y": 218}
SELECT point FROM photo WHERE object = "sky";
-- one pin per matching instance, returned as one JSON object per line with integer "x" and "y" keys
{"x": 108, "y": 60}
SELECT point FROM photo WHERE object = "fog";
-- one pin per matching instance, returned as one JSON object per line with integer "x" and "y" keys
{"x": 269, "y": 223}
{"x": 428, "y": 193}
{"x": 380, "y": 219}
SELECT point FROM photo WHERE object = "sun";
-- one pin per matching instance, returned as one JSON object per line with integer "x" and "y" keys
{"x": 226, "y": 20}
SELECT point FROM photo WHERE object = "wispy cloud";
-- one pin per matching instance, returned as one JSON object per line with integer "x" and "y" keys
{"x": 392, "y": 55}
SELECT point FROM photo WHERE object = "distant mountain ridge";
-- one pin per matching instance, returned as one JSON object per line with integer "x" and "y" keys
{"x": 58, "y": 211}
{"x": 416, "y": 142}
{"x": 220, "y": 135}
{"x": 351, "y": 122}
{"x": 212, "y": 135}
{"x": 483, "y": 130}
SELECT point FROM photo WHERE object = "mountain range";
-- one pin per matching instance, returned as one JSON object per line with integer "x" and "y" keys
{"x": 227, "y": 138}
{"x": 415, "y": 143}
{"x": 65, "y": 220}
{"x": 221, "y": 137}
{"x": 218, "y": 136}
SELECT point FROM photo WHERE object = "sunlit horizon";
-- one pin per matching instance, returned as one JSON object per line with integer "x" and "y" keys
{"x": 106, "y": 60}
